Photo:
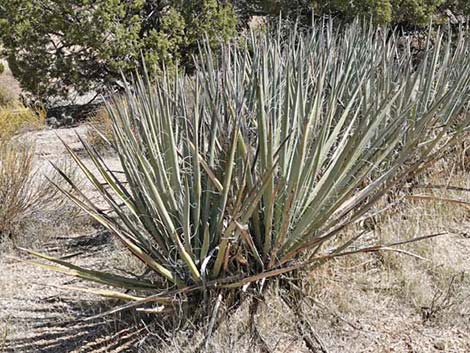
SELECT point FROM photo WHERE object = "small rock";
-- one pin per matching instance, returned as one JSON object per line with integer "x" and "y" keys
{"x": 52, "y": 122}
{"x": 440, "y": 345}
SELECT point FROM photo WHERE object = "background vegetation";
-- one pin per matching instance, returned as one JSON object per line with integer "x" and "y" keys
{"x": 58, "y": 48}
{"x": 408, "y": 13}
{"x": 52, "y": 55}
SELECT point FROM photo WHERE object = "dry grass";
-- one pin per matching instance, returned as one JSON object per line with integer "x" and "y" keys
{"x": 16, "y": 118}
{"x": 462, "y": 155}
{"x": 24, "y": 189}
{"x": 16, "y": 167}
{"x": 21, "y": 193}
{"x": 100, "y": 133}
{"x": 7, "y": 97}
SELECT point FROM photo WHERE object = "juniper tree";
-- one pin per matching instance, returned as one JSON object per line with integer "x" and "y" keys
{"x": 55, "y": 47}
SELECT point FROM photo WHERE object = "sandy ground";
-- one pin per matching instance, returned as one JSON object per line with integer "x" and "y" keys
{"x": 7, "y": 80}
{"x": 36, "y": 313}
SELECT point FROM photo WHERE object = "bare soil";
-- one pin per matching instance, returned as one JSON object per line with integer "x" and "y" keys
{"x": 8, "y": 81}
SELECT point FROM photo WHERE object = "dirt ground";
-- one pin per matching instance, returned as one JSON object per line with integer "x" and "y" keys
{"x": 7, "y": 80}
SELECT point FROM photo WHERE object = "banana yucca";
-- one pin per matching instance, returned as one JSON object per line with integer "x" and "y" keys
{"x": 253, "y": 165}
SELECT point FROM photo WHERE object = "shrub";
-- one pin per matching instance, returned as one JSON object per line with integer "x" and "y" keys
{"x": 284, "y": 145}
{"x": 409, "y": 12}
{"x": 51, "y": 55}
{"x": 380, "y": 11}
{"x": 404, "y": 12}
{"x": 461, "y": 7}
{"x": 23, "y": 191}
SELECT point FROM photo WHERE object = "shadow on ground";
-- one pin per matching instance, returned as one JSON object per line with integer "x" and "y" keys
{"x": 43, "y": 316}
{"x": 69, "y": 331}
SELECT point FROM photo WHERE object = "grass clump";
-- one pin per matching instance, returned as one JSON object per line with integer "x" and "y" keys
{"x": 25, "y": 190}
{"x": 19, "y": 194}
{"x": 100, "y": 134}
{"x": 253, "y": 167}
{"x": 6, "y": 97}
{"x": 22, "y": 190}
{"x": 16, "y": 117}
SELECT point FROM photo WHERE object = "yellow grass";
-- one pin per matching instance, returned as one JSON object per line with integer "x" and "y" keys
{"x": 6, "y": 96}
{"x": 101, "y": 126}
{"x": 15, "y": 118}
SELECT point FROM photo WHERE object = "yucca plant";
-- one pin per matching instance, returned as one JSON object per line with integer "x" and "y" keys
{"x": 252, "y": 167}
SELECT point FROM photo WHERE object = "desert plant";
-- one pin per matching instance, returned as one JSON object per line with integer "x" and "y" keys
{"x": 100, "y": 132}
{"x": 15, "y": 118}
{"x": 50, "y": 56}
{"x": 277, "y": 147}
{"x": 410, "y": 13}
{"x": 23, "y": 188}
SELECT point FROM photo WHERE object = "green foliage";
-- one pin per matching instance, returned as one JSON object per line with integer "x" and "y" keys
{"x": 253, "y": 166}
{"x": 414, "y": 12}
{"x": 380, "y": 11}
{"x": 406, "y": 12}
{"x": 461, "y": 7}
{"x": 59, "y": 47}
